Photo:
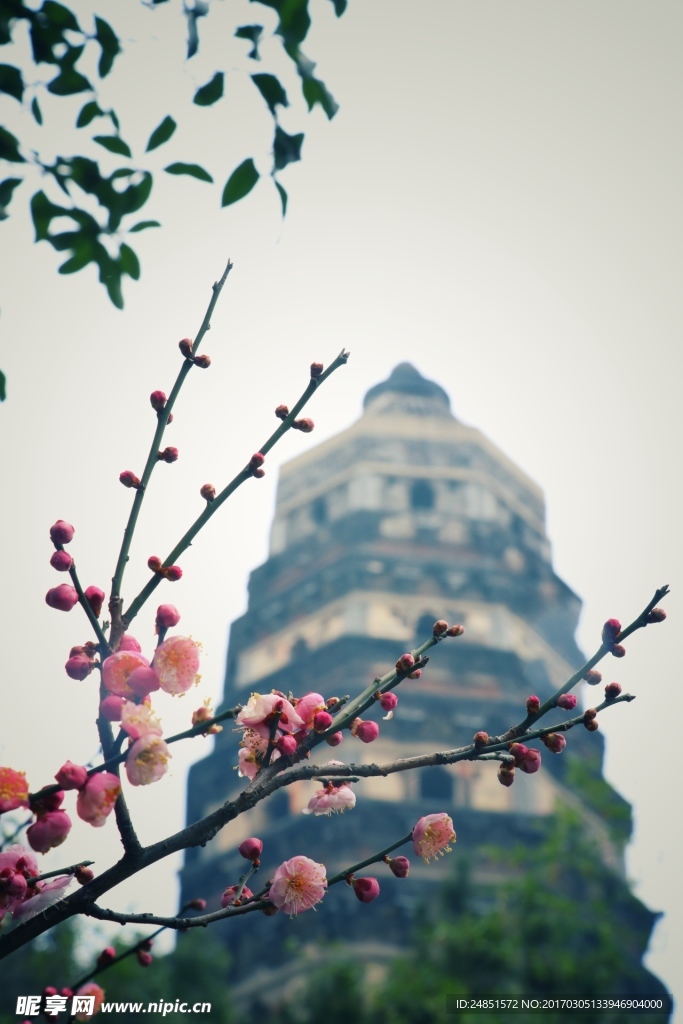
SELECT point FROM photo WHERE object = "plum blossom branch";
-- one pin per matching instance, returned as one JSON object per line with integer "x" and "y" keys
{"x": 59, "y": 871}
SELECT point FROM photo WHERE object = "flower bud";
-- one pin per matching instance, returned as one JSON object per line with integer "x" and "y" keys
{"x": 144, "y": 958}
{"x": 167, "y": 616}
{"x": 618, "y": 650}
{"x": 42, "y": 803}
{"x": 111, "y": 708}
{"x": 129, "y": 643}
{"x": 129, "y": 479}
{"x": 567, "y": 701}
{"x": 251, "y": 849}
{"x": 170, "y": 419}
{"x": 533, "y": 705}
{"x": 591, "y": 724}
{"x": 519, "y": 752}
{"x": 72, "y": 776}
{"x": 107, "y": 956}
{"x": 610, "y": 631}
{"x": 168, "y": 455}
{"x": 228, "y": 897}
{"x": 208, "y": 492}
{"x": 612, "y": 690}
{"x": 506, "y": 775}
{"x": 593, "y": 677}
{"x": 367, "y": 731}
{"x": 185, "y": 347}
{"x": 455, "y": 631}
{"x": 282, "y": 412}
{"x": 154, "y": 563}
{"x": 95, "y": 598}
{"x": 405, "y": 663}
{"x": 399, "y": 866}
{"x": 203, "y": 362}
{"x": 440, "y": 627}
{"x": 198, "y": 904}
{"x": 50, "y": 830}
{"x": 147, "y": 944}
{"x": 68, "y": 992}
{"x": 61, "y": 561}
{"x": 388, "y": 701}
{"x": 49, "y": 990}
{"x": 61, "y": 532}
{"x": 417, "y": 674}
{"x": 531, "y": 762}
{"x": 656, "y": 615}
{"x": 481, "y": 739}
{"x": 366, "y": 889}
{"x": 286, "y": 745}
{"x": 555, "y": 742}
{"x": 143, "y": 681}
{"x": 305, "y": 425}
{"x": 173, "y": 573}
{"x": 321, "y": 721}
{"x": 334, "y": 740}
{"x": 83, "y": 875}
{"x": 589, "y": 714}
{"x": 316, "y": 370}
{"x": 258, "y": 473}
{"x": 79, "y": 667}
{"x": 158, "y": 400}
{"x": 63, "y": 597}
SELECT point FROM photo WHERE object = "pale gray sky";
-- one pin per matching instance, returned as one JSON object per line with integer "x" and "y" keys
{"x": 498, "y": 201}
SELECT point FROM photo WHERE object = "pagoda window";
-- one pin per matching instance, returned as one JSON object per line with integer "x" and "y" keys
{"x": 319, "y": 511}
{"x": 436, "y": 784}
{"x": 421, "y": 494}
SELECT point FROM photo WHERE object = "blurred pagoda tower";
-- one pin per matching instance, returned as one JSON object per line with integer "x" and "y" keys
{"x": 406, "y": 517}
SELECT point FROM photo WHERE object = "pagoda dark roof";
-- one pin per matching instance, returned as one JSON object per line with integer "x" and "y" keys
{"x": 404, "y": 379}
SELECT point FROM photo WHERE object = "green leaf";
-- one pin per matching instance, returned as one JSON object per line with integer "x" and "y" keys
{"x": 211, "y": 92}
{"x": 7, "y": 188}
{"x": 111, "y": 114}
{"x": 11, "y": 81}
{"x": 286, "y": 148}
{"x": 272, "y": 91}
{"x": 130, "y": 264}
{"x": 9, "y": 147}
{"x": 78, "y": 261}
{"x": 339, "y": 7}
{"x": 36, "y": 111}
{"x": 192, "y": 169}
{"x": 253, "y": 33}
{"x": 42, "y": 212}
{"x": 109, "y": 43}
{"x": 143, "y": 225}
{"x": 135, "y": 196}
{"x": 283, "y": 197}
{"x": 161, "y": 134}
{"x": 3, "y": 387}
{"x": 68, "y": 83}
{"x": 88, "y": 113}
{"x": 114, "y": 143}
{"x": 295, "y": 20}
{"x": 59, "y": 16}
{"x": 240, "y": 182}
{"x": 316, "y": 91}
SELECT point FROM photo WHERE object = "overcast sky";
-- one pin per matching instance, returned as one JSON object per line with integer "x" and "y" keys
{"x": 498, "y": 201}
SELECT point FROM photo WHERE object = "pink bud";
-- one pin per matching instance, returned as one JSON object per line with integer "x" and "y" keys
{"x": 610, "y": 631}
{"x": 618, "y": 650}
{"x": 83, "y": 876}
{"x": 158, "y": 400}
{"x": 506, "y": 775}
{"x": 78, "y": 667}
{"x": 286, "y": 745}
{"x": 41, "y": 802}
{"x": 316, "y": 370}
{"x": 49, "y": 990}
{"x": 388, "y": 701}
{"x": 251, "y": 849}
{"x": 282, "y": 412}
{"x": 154, "y": 563}
{"x": 61, "y": 561}
{"x": 440, "y": 627}
{"x": 203, "y": 362}
{"x": 481, "y": 739}
{"x": 399, "y": 866}
{"x": 167, "y": 616}
{"x": 456, "y": 631}
{"x": 68, "y": 992}
{"x": 532, "y": 762}
{"x": 208, "y": 492}
{"x": 258, "y": 473}
{"x": 591, "y": 724}
{"x": 589, "y": 714}
{"x": 228, "y": 896}
{"x": 106, "y": 957}
{"x": 367, "y": 731}
{"x": 63, "y": 597}
{"x": 197, "y": 904}
{"x": 111, "y": 708}
{"x": 61, "y": 532}
{"x": 566, "y": 701}
{"x": 168, "y": 455}
{"x": 129, "y": 479}
{"x": 519, "y": 752}
{"x": 334, "y": 740}
{"x": 555, "y": 742}
{"x": 656, "y": 615}
{"x": 173, "y": 573}
{"x": 72, "y": 776}
{"x": 48, "y": 831}
{"x": 612, "y": 690}
{"x": 144, "y": 958}
{"x": 305, "y": 425}
{"x": 366, "y": 889}
{"x": 143, "y": 680}
{"x": 321, "y": 721}
{"x": 185, "y": 347}
{"x": 417, "y": 674}
{"x": 405, "y": 663}
{"x": 257, "y": 460}
{"x": 532, "y": 705}
{"x": 129, "y": 643}
{"x": 95, "y": 598}
{"x": 593, "y": 677}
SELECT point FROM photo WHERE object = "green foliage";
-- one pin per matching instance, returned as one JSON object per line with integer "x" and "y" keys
{"x": 211, "y": 92}
{"x": 161, "y": 134}
{"x": 599, "y": 795}
{"x": 240, "y": 182}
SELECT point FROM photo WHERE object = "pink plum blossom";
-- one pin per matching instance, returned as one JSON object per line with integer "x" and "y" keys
{"x": 111, "y": 708}
{"x": 176, "y": 663}
{"x": 308, "y": 706}
{"x": 116, "y": 669}
{"x": 48, "y": 831}
{"x": 46, "y": 894}
{"x": 139, "y": 720}
{"x": 147, "y": 760}
{"x": 259, "y": 711}
{"x": 228, "y": 896}
{"x": 90, "y": 989}
{"x": 97, "y": 798}
{"x": 247, "y": 763}
{"x": 331, "y": 799}
{"x": 13, "y": 790}
{"x": 297, "y": 885}
{"x": 72, "y": 776}
{"x": 129, "y": 643}
{"x": 143, "y": 681}
{"x": 432, "y": 836}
